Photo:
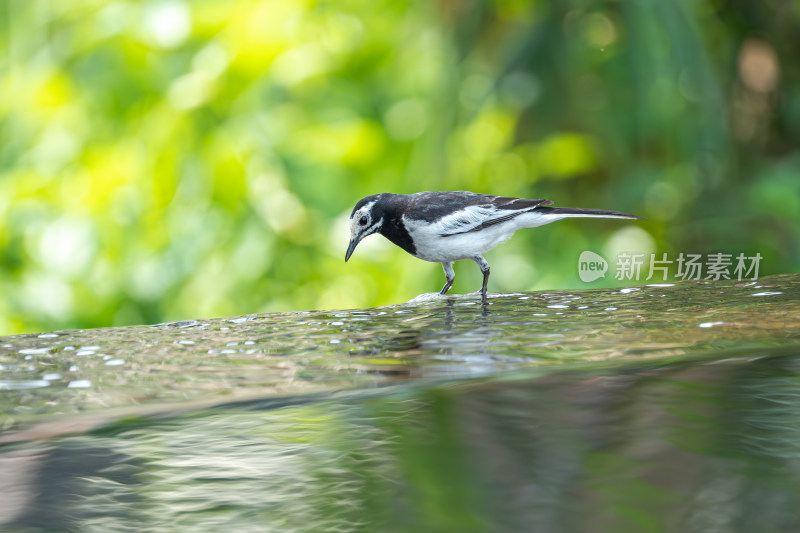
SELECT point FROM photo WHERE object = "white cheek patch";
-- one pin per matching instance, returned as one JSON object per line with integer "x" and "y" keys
{"x": 355, "y": 227}
{"x": 358, "y": 229}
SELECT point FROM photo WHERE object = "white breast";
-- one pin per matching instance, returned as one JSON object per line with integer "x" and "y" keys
{"x": 431, "y": 246}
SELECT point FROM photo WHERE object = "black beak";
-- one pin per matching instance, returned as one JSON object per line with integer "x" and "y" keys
{"x": 352, "y": 246}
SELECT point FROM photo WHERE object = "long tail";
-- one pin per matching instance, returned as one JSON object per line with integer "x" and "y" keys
{"x": 578, "y": 212}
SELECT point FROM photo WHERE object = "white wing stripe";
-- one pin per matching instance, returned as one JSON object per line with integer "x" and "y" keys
{"x": 472, "y": 218}
{"x": 464, "y": 219}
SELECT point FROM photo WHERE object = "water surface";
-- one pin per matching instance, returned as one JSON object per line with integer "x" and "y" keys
{"x": 653, "y": 408}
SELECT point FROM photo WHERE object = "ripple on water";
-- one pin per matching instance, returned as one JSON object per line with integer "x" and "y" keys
{"x": 9, "y": 384}
{"x": 298, "y": 352}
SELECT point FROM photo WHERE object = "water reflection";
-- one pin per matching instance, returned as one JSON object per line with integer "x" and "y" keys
{"x": 655, "y": 447}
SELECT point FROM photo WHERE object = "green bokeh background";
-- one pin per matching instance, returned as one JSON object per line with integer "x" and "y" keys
{"x": 165, "y": 160}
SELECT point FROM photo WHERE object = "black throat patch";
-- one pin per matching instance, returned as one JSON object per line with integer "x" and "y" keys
{"x": 390, "y": 208}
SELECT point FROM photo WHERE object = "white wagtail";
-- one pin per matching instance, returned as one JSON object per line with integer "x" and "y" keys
{"x": 443, "y": 227}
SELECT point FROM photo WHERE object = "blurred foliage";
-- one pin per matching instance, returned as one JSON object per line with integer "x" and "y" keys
{"x": 167, "y": 159}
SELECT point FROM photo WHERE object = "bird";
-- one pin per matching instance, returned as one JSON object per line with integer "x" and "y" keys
{"x": 448, "y": 226}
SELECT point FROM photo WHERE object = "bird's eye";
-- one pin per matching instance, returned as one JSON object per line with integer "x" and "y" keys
{"x": 363, "y": 221}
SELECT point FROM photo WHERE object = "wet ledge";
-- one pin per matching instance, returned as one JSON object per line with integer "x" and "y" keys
{"x": 101, "y": 373}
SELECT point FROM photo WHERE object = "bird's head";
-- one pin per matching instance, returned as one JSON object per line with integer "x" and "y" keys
{"x": 366, "y": 219}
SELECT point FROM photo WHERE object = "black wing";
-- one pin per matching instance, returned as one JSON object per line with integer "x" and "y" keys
{"x": 456, "y": 212}
{"x": 432, "y": 206}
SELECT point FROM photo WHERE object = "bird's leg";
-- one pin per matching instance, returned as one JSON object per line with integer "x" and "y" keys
{"x": 450, "y": 275}
{"x": 484, "y": 266}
